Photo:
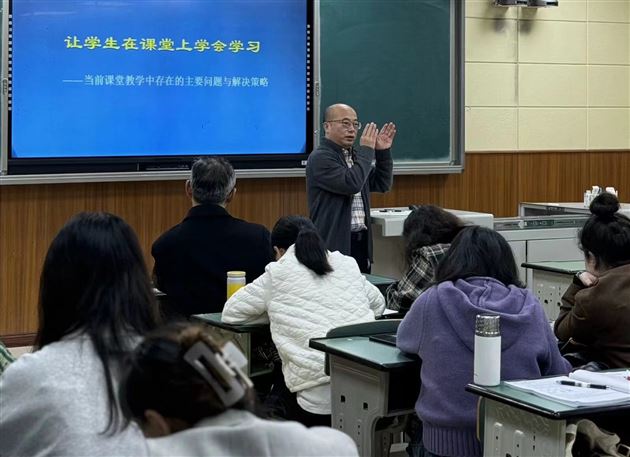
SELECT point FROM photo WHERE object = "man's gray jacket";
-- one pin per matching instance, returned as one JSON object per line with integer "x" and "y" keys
{"x": 330, "y": 186}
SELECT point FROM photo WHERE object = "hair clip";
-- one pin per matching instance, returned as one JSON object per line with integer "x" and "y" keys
{"x": 228, "y": 381}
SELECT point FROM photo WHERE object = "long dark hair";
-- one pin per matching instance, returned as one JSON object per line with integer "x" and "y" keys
{"x": 94, "y": 281}
{"x": 606, "y": 234}
{"x": 479, "y": 251}
{"x": 159, "y": 378}
{"x": 427, "y": 225}
{"x": 310, "y": 248}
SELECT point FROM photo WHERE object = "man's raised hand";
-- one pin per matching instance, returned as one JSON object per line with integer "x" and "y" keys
{"x": 386, "y": 136}
{"x": 369, "y": 135}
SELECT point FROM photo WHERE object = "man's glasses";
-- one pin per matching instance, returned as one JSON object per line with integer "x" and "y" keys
{"x": 348, "y": 124}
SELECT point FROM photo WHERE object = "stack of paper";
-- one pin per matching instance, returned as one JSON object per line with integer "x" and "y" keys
{"x": 551, "y": 389}
{"x": 618, "y": 380}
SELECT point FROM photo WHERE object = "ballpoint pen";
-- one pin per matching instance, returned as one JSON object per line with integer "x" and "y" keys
{"x": 582, "y": 384}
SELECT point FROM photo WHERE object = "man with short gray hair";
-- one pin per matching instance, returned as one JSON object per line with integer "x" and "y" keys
{"x": 192, "y": 259}
{"x": 212, "y": 180}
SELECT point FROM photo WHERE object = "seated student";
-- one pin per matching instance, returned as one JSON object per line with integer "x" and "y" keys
{"x": 478, "y": 275}
{"x": 427, "y": 234}
{"x": 191, "y": 398}
{"x": 595, "y": 309}
{"x": 192, "y": 259}
{"x": 307, "y": 292}
{"x": 95, "y": 301}
{"x": 5, "y": 357}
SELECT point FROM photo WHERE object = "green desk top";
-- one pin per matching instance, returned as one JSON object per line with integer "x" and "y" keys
{"x": 361, "y": 350}
{"x": 568, "y": 267}
{"x": 538, "y": 405}
{"x": 214, "y": 319}
{"x": 379, "y": 280}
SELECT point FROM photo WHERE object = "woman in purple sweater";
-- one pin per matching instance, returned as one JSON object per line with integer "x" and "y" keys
{"x": 478, "y": 275}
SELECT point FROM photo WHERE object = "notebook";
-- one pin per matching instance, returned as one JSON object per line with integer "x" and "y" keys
{"x": 386, "y": 338}
{"x": 551, "y": 389}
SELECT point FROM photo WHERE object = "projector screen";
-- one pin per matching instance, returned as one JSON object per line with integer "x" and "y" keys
{"x": 127, "y": 85}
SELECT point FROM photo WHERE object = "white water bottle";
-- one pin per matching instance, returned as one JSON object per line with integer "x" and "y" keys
{"x": 487, "y": 362}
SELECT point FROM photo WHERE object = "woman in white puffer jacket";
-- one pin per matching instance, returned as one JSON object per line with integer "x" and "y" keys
{"x": 307, "y": 292}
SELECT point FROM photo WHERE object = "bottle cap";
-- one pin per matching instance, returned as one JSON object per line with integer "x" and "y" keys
{"x": 236, "y": 274}
{"x": 487, "y": 325}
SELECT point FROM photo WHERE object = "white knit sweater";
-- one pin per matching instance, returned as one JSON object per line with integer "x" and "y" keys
{"x": 54, "y": 402}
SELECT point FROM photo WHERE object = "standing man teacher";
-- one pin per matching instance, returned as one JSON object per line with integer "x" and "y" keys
{"x": 339, "y": 179}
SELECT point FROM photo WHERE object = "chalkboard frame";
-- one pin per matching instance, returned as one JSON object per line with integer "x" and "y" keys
{"x": 454, "y": 163}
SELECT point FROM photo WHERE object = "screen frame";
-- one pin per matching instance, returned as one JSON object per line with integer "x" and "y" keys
{"x": 161, "y": 167}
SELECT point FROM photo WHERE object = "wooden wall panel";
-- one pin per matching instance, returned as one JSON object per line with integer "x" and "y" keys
{"x": 564, "y": 176}
{"x": 486, "y": 185}
{"x": 30, "y": 216}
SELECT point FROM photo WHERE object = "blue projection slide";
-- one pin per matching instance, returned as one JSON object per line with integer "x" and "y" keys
{"x": 170, "y": 77}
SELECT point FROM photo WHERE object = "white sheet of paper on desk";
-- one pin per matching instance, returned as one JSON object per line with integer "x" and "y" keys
{"x": 551, "y": 389}
{"x": 614, "y": 379}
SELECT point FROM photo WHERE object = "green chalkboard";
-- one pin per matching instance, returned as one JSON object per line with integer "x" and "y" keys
{"x": 398, "y": 60}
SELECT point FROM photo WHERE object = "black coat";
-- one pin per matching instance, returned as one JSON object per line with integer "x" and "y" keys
{"x": 192, "y": 259}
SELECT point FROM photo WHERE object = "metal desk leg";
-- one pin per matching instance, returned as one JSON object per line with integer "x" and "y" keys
{"x": 359, "y": 399}
{"x": 549, "y": 288}
{"x": 241, "y": 340}
{"x": 518, "y": 433}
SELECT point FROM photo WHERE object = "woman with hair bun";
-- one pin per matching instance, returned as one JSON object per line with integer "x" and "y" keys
{"x": 307, "y": 292}
{"x": 595, "y": 309}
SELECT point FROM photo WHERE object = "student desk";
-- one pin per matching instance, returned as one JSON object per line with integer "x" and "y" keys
{"x": 371, "y": 384}
{"x": 517, "y": 423}
{"x": 381, "y": 282}
{"x": 247, "y": 338}
{"x": 550, "y": 280}
{"x": 387, "y": 228}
